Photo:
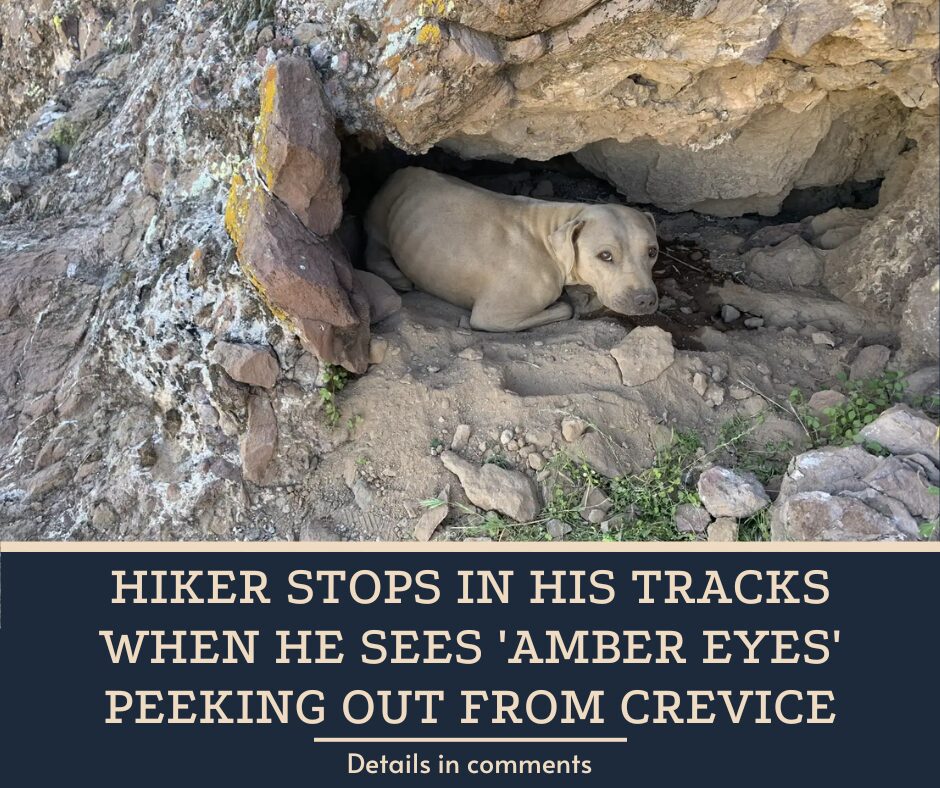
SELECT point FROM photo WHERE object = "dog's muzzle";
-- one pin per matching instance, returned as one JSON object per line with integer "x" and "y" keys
{"x": 636, "y": 302}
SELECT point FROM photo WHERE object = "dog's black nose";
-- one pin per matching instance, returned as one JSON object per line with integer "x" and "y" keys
{"x": 645, "y": 300}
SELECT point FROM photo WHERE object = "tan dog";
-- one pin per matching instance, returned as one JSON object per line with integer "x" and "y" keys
{"x": 507, "y": 259}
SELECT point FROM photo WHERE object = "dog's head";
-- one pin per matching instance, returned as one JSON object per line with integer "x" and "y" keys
{"x": 612, "y": 248}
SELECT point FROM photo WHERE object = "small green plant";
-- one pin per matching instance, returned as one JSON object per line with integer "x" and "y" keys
{"x": 651, "y": 496}
{"x": 765, "y": 461}
{"x": 755, "y": 528}
{"x": 64, "y": 133}
{"x": 334, "y": 381}
{"x": 499, "y": 459}
{"x": 865, "y": 401}
{"x": 643, "y": 505}
{"x": 929, "y": 404}
{"x": 928, "y": 529}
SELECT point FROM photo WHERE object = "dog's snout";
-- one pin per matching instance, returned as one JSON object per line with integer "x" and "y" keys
{"x": 645, "y": 300}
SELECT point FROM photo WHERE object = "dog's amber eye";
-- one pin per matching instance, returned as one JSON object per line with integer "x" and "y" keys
{"x": 607, "y": 257}
{"x": 653, "y": 252}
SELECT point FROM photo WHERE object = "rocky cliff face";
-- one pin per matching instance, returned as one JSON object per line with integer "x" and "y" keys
{"x": 122, "y": 126}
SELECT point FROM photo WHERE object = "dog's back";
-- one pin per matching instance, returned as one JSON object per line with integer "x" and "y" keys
{"x": 448, "y": 237}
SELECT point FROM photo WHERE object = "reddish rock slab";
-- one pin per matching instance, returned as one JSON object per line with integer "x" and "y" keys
{"x": 251, "y": 364}
{"x": 296, "y": 149}
{"x": 260, "y": 441}
{"x": 306, "y": 281}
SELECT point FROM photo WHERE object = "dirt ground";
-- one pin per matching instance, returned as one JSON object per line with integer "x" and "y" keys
{"x": 437, "y": 375}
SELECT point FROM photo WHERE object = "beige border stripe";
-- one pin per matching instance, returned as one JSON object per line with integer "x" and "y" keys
{"x": 467, "y": 739}
{"x": 469, "y": 547}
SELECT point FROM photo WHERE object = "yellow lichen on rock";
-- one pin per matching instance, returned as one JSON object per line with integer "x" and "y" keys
{"x": 278, "y": 313}
{"x": 268, "y": 90}
{"x": 430, "y": 33}
{"x": 236, "y": 209}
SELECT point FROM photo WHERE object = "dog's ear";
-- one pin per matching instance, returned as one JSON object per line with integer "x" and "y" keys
{"x": 563, "y": 242}
{"x": 652, "y": 219}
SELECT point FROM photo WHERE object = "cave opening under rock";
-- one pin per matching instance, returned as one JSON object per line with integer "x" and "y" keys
{"x": 699, "y": 252}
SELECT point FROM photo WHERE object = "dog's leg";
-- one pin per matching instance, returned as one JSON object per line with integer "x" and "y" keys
{"x": 485, "y": 318}
{"x": 379, "y": 262}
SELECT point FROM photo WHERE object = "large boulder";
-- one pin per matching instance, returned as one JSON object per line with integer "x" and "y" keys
{"x": 903, "y": 430}
{"x": 848, "y": 494}
{"x": 780, "y": 148}
{"x": 305, "y": 280}
{"x": 296, "y": 149}
{"x": 719, "y": 106}
{"x": 730, "y": 493}
{"x": 282, "y": 224}
{"x": 818, "y": 516}
{"x": 890, "y": 262}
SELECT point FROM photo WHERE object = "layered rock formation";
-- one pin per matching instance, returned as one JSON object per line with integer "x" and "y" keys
{"x": 754, "y": 98}
{"x": 717, "y": 106}
{"x": 124, "y": 126}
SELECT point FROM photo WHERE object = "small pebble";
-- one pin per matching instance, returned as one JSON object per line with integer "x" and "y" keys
{"x": 461, "y": 437}
{"x": 572, "y": 429}
{"x": 557, "y": 529}
{"x": 729, "y": 313}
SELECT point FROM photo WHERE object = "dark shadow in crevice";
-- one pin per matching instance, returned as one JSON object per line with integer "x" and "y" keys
{"x": 801, "y": 203}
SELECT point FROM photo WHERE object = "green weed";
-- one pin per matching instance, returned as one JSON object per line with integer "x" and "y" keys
{"x": 334, "y": 381}
{"x": 643, "y": 505}
{"x": 755, "y": 528}
{"x": 64, "y": 134}
{"x": 865, "y": 401}
{"x": 744, "y": 454}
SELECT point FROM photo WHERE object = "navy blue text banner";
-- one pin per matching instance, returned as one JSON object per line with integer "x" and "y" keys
{"x": 372, "y": 668}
